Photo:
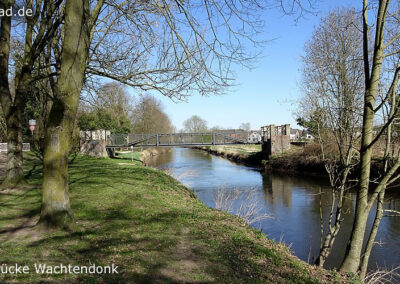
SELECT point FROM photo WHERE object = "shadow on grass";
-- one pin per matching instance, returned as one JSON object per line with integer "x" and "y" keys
{"x": 144, "y": 222}
{"x": 127, "y": 159}
{"x": 140, "y": 240}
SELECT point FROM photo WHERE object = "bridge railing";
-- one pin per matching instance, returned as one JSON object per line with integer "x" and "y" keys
{"x": 117, "y": 139}
{"x": 177, "y": 139}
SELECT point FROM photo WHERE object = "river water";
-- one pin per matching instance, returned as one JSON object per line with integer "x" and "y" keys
{"x": 291, "y": 202}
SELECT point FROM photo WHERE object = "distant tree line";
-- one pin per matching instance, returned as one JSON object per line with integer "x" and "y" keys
{"x": 196, "y": 124}
{"x": 112, "y": 108}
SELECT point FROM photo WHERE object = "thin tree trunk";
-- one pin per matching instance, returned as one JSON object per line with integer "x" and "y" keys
{"x": 374, "y": 231}
{"x": 351, "y": 262}
{"x": 334, "y": 229}
{"x": 324, "y": 252}
{"x": 381, "y": 196}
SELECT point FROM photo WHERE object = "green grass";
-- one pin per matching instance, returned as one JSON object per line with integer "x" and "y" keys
{"x": 128, "y": 155}
{"x": 145, "y": 222}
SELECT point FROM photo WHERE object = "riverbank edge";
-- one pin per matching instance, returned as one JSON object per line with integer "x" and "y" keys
{"x": 253, "y": 160}
{"x": 288, "y": 162}
{"x": 246, "y": 252}
{"x": 274, "y": 164}
{"x": 143, "y": 155}
{"x": 148, "y": 153}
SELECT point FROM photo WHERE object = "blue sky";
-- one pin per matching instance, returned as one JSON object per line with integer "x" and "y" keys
{"x": 266, "y": 94}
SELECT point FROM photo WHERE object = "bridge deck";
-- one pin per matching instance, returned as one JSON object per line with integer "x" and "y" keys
{"x": 179, "y": 145}
{"x": 179, "y": 139}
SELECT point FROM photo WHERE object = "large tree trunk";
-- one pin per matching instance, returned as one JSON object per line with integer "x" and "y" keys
{"x": 55, "y": 205}
{"x": 13, "y": 106}
{"x": 15, "y": 173}
{"x": 14, "y": 165}
{"x": 56, "y": 209}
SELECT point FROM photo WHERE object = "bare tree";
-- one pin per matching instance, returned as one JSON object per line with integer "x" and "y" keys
{"x": 173, "y": 47}
{"x": 246, "y": 126}
{"x": 195, "y": 124}
{"x": 110, "y": 108}
{"x": 23, "y": 41}
{"x": 113, "y": 96}
{"x": 148, "y": 116}
{"x": 330, "y": 107}
{"x": 380, "y": 60}
{"x": 79, "y": 21}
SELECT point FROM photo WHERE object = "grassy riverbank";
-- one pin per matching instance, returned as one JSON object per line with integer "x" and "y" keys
{"x": 245, "y": 154}
{"x": 309, "y": 159}
{"x": 146, "y": 223}
{"x": 299, "y": 159}
{"x": 296, "y": 159}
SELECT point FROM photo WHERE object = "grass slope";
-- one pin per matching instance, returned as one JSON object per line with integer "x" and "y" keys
{"x": 149, "y": 225}
{"x": 246, "y": 154}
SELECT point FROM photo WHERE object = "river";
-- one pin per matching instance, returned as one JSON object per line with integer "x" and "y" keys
{"x": 291, "y": 202}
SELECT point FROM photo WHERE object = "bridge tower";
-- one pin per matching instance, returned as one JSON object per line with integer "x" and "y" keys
{"x": 275, "y": 139}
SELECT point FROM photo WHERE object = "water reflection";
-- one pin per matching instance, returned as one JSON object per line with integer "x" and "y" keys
{"x": 294, "y": 202}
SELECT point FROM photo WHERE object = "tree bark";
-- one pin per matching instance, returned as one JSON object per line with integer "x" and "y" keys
{"x": 381, "y": 195}
{"x": 13, "y": 106}
{"x": 352, "y": 258}
{"x": 374, "y": 232}
{"x": 15, "y": 173}
{"x": 326, "y": 246}
{"x": 351, "y": 261}
{"x": 12, "y": 110}
{"x": 56, "y": 210}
